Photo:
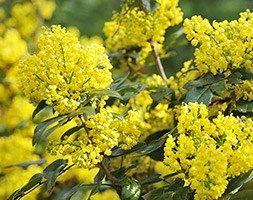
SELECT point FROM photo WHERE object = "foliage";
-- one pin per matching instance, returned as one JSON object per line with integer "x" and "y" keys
{"x": 100, "y": 125}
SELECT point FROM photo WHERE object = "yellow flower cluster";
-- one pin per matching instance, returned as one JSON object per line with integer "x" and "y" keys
{"x": 244, "y": 90}
{"x": 27, "y": 16}
{"x": 224, "y": 46}
{"x": 134, "y": 27}
{"x": 101, "y": 133}
{"x": 62, "y": 70}
{"x": 12, "y": 48}
{"x": 228, "y": 139}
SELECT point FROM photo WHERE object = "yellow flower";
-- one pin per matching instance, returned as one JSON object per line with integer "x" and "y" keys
{"x": 62, "y": 70}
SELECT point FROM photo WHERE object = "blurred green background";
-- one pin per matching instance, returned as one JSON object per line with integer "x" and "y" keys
{"x": 90, "y": 15}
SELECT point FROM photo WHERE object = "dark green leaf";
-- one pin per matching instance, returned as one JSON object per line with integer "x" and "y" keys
{"x": 200, "y": 95}
{"x": 67, "y": 195}
{"x": 131, "y": 190}
{"x": 235, "y": 78}
{"x": 98, "y": 181}
{"x": 221, "y": 85}
{"x": 151, "y": 147}
{"x": 117, "y": 151}
{"x": 150, "y": 180}
{"x": 26, "y": 164}
{"x": 2, "y": 76}
{"x": 206, "y": 79}
{"x": 35, "y": 180}
{"x": 150, "y": 5}
{"x": 247, "y": 186}
{"x": 158, "y": 93}
{"x": 246, "y": 73}
{"x": 244, "y": 106}
{"x": 52, "y": 129}
{"x": 118, "y": 82}
{"x": 243, "y": 195}
{"x": 120, "y": 173}
{"x": 52, "y": 171}
{"x": 39, "y": 108}
{"x": 41, "y": 128}
{"x": 236, "y": 183}
{"x": 71, "y": 131}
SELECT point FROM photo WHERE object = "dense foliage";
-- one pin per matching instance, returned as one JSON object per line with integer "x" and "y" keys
{"x": 86, "y": 121}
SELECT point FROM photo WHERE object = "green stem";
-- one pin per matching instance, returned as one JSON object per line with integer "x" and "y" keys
{"x": 111, "y": 178}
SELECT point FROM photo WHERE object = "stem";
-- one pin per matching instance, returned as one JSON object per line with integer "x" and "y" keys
{"x": 111, "y": 178}
{"x": 158, "y": 62}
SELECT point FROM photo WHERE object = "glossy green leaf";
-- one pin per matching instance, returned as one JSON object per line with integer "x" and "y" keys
{"x": 150, "y": 5}
{"x": 117, "y": 151}
{"x": 39, "y": 108}
{"x": 71, "y": 131}
{"x": 52, "y": 129}
{"x": 243, "y": 195}
{"x": 236, "y": 183}
{"x": 131, "y": 190}
{"x": 26, "y": 164}
{"x": 98, "y": 181}
{"x": 235, "y": 78}
{"x": 221, "y": 85}
{"x": 67, "y": 195}
{"x": 244, "y": 106}
{"x": 206, "y": 79}
{"x": 246, "y": 73}
{"x": 158, "y": 93}
{"x": 42, "y": 127}
{"x": 200, "y": 95}
{"x": 150, "y": 180}
{"x": 35, "y": 180}
{"x": 151, "y": 147}
{"x": 52, "y": 171}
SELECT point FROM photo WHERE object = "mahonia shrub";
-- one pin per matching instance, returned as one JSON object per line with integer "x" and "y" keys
{"x": 99, "y": 126}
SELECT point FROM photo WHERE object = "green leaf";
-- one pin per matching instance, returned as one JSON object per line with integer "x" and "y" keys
{"x": 131, "y": 190}
{"x": 26, "y": 164}
{"x": 35, "y": 180}
{"x": 236, "y": 183}
{"x": 39, "y": 108}
{"x": 71, "y": 131}
{"x": 98, "y": 181}
{"x": 246, "y": 73}
{"x": 104, "y": 92}
{"x": 120, "y": 173}
{"x": 206, "y": 79}
{"x": 200, "y": 95}
{"x": 52, "y": 129}
{"x": 171, "y": 191}
{"x": 158, "y": 93}
{"x": 150, "y": 180}
{"x": 243, "y": 195}
{"x": 67, "y": 195}
{"x": 150, "y": 5}
{"x": 244, "y": 106}
{"x": 2, "y": 76}
{"x": 41, "y": 128}
{"x": 117, "y": 151}
{"x": 151, "y": 147}
{"x": 235, "y": 78}
{"x": 115, "y": 85}
{"x": 221, "y": 85}
{"x": 52, "y": 171}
